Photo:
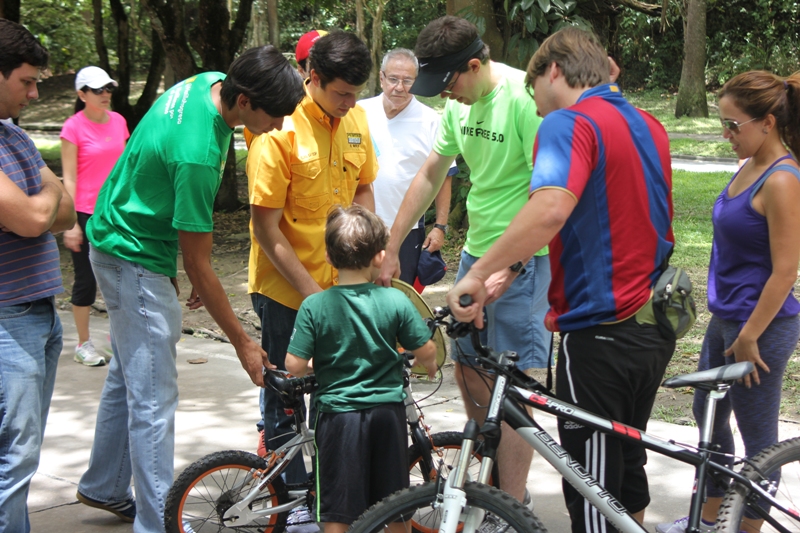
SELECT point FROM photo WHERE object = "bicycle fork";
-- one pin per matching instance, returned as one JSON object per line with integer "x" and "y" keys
{"x": 453, "y": 499}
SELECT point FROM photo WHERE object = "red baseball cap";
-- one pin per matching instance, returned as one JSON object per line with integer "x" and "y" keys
{"x": 306, "y": 42}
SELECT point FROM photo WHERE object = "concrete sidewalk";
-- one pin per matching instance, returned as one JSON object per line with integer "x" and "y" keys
{"x": 218, "y": 410}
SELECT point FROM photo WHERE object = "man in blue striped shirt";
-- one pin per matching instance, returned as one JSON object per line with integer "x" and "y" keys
{"x": 33, "y": 206}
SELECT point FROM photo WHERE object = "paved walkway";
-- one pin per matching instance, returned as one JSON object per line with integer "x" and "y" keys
{"x": 218, "y": 410}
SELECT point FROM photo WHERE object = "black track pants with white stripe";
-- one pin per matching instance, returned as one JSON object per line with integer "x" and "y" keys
{"x": 613, "y": 371}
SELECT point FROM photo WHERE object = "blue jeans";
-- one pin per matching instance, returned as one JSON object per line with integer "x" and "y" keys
{"x": 30, "y": 344}
{"x": 277, "y": 323}
{"x": 516, "y": 319}
{"x": 135, "y": 430}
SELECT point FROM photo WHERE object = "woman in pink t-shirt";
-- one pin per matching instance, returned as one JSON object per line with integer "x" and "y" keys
{"x": 91, "y": 142}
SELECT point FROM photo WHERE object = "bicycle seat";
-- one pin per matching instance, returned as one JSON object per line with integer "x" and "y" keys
{"x": 711, "y": 377}
{"x": 289, "y": 386}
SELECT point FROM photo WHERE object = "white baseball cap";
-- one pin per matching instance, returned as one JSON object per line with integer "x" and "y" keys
{"x": 94, "y": 78}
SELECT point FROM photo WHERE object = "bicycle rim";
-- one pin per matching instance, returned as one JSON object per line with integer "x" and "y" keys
{"x": 205, "y": 491}
{"x": 782, "y": 458}
{"x": 446, "y": 448}
{"x": 502, "y": 512}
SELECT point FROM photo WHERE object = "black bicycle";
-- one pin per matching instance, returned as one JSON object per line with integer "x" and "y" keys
{"x": 239, "y": 491}
{"x": 762, "y": 489}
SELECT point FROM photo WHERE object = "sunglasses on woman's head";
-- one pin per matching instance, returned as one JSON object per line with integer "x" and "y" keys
{"x": 733, "y": 126}
{"x": 110, "y": 88}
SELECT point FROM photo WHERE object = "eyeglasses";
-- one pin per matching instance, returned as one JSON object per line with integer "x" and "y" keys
{"x": 392, "y": 81}
{"x": 452, "y": 84}
{"x": 733, "y": 126}
{"x": 110, "y": 88}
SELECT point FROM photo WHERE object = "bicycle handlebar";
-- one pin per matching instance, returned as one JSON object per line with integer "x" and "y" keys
{"x": 286, "y": 384}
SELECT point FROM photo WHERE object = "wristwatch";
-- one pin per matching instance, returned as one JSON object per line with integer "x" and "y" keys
{"x": 518, "y": 268}
{"x": 442, "y": 227}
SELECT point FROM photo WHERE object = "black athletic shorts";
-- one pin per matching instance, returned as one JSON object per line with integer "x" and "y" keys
{"x": 613, "y": 371}
{"x": 362, "y": 457}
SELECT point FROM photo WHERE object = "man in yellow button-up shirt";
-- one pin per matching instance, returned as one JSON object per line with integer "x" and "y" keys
{"x": 323, "y": 156}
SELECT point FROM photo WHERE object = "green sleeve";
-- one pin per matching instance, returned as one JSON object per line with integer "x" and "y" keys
{"x": 412, "y": 332}
{"x": 302, "y": 341}
{"x": 196, "y": 186}
{"x": 446, "y": 143}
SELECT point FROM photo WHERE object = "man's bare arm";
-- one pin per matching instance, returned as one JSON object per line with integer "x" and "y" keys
{"x": 420, "y": 194}
{"x": 277, "y": 248}
{"x": 435, "y": 238}
{"x": 196, "y": 249}
{"x": 532, "y": 228}
{"x": 28, "y": 216}
{"x": 66, "y": 216}
{"x": 365, "y": 196}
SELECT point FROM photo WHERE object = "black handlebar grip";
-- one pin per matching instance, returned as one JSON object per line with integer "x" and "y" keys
{"x": 465, "y": 300}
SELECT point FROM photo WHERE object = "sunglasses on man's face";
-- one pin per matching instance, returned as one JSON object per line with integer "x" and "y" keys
{"x": 110, "y": 88}
{"x": 733, "y": 126}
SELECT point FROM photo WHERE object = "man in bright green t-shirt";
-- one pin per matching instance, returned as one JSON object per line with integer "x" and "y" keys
{"x": 159, "y": 198}
{"x": 491, "y": 120}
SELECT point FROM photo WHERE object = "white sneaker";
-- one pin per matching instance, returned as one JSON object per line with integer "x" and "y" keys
{"x": 86, "y": 354}
{"x": 527, "y": 501}
{"x": 300, "y": 520}
{"x": 680, "y": 525}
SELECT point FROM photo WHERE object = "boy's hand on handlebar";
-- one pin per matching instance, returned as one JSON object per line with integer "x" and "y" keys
{"x": 476, "y": 289}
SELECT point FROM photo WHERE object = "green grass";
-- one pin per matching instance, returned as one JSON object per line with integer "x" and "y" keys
{"x": 693, "y": 196}
{"x": 50, "y": 149}
{"x": 703, "y": 148}
{"x": 661, "y": 104}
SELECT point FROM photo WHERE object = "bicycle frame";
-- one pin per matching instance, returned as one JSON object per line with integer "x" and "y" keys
{"x": 505, "y": 406}
{"x": 241, "y": 513}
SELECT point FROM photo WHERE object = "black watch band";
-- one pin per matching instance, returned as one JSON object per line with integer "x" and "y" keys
{"x": 518, "y": 268}
{"x": 442, "y": 227}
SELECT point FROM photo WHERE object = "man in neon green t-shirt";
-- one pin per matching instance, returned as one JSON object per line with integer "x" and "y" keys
{"x": 491, "y": 120}
{"x": 160, "y": 197}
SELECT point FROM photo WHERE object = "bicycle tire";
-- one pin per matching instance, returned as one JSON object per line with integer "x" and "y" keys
{"x": 503, "y": 511}
{"x": 783, "y": 456}
{"x": 446, "y": 446}
{"x": 202, "y": 494}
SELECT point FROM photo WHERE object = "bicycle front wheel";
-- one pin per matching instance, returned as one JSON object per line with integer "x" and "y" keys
{"x": 503, "y": 513}
{"x": 780, "y": 461}
{"x": 205, "y": 491}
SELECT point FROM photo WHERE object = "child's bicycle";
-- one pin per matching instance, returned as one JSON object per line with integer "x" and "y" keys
{"x": 455, "y": 504}
{"x": 240, "y": 491}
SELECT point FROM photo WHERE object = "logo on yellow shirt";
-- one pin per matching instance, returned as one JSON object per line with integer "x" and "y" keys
{"x": 354, "y": 139}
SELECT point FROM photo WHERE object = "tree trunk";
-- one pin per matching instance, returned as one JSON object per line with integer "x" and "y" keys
{"x": 691, "y": 99}
{"x": 168, "y": 21}
{"x": 360, "y": 20}
{"x": 272, "y": 22}
{"x": 376, "y": 50}
{"x": 227, "y": 199}
{"x": 9, "y": 10}
{"x": 99, "y": 39}
{"x": 485, "y": 10}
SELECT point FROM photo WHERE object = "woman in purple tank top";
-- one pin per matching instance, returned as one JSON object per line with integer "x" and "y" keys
{"x": 754, "y": 260}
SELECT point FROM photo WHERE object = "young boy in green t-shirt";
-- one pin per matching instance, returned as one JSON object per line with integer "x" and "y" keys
{"x": 351, "y": 331}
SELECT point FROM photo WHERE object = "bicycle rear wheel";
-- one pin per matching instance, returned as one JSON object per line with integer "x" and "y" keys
{"x": 781, "y": 459}
{"x": 205, "y": 491}
{"x": 503, "y": 513}
{"x": 446, "y": 447}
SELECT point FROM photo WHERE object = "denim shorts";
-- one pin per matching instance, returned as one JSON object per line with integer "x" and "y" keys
{"x": 516, "y": 319}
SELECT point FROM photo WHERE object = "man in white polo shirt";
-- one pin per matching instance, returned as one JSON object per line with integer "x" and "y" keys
{"x": 403, "y": 131}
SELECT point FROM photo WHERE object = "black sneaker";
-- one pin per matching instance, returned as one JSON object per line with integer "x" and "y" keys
{"x": 125, "y": 510}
